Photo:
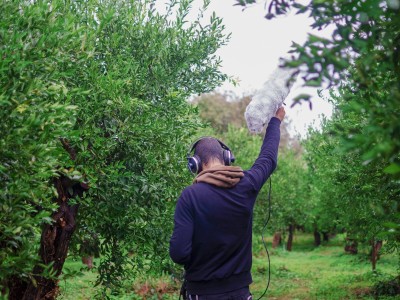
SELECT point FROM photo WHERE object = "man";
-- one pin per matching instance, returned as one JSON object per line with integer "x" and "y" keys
{"x": 213, "y": 219}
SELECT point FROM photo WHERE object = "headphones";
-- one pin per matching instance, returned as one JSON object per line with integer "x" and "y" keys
{"x": 194, "y": 162}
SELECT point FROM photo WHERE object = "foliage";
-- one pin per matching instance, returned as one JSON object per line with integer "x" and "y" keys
{"x": 325, "y": 188}
{"x": 111, "y": 77}
{"x": 220, "y": 113}
{"x": 366, "y": 36}
{"x": 348, "y": 194}
{"x": 290, "y": 193}
{"x": 37, "y": 51}
{"x": 387, "y": 288}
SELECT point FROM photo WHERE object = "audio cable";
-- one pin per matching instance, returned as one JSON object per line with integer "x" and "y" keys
{"x": 263, "y": 238}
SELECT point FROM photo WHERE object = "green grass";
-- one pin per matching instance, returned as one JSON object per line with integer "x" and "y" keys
{"x": 306, "y": 272}
{"x": 80, "y": 286}
{"x": 325, "y": 272}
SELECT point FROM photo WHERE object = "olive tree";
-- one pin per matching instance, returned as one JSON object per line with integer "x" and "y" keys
{"x": 356, "y": 197}
{"x": 94, "y": 126}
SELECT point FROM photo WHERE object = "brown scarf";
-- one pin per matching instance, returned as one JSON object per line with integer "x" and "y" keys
{"x": 221, "y": 176}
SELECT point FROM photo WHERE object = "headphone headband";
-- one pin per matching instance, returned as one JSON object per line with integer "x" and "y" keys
{"x": 194, "y": 144}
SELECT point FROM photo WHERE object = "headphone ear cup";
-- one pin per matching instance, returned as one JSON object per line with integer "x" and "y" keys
{"x": 228, "y": 157}
{"x": 194, "y": 163}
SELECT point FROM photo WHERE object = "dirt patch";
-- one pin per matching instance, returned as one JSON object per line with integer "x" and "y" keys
{"x": 158, "y": 288}
{"x": 362, "y": 292}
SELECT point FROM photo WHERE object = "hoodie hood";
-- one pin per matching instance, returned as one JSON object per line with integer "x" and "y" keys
{"x": 221, "y": 176}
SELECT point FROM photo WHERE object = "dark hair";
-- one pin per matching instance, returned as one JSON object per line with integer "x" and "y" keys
{"x": 209, "y": 149}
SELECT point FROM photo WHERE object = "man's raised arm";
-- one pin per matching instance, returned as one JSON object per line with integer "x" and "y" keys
{"x": 267, "y": 160}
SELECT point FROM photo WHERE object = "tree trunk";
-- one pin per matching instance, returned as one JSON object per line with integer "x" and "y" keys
{"x": 325, "y": 236}
{"x": 317, "y": 238}
{"x": 17, "y": 288}
{"x": 88, "y": 261}
{"x": 376, "y": 247}
{"x": 54, "y": 241}
{"x": 351, "y": 246}
{"x": 290, "y": 238}
{"x": 277, "y": 240}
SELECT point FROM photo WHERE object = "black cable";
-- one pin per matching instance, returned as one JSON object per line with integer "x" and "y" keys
{"x": 263, "y": 239}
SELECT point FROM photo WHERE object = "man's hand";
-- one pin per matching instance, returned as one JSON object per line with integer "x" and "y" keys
{"x": 280, "y": 113}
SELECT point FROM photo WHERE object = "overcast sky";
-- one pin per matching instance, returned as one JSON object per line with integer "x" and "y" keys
{"x": 254, "y": 51}
{"x": 255, "y": 48}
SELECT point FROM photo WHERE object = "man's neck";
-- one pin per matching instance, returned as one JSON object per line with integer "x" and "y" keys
{"x": 211, "y": 165}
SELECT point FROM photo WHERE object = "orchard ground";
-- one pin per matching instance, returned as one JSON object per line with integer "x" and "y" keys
{"x": 325, "y": 272}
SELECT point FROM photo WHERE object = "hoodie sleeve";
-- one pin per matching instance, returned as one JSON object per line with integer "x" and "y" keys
{"x": 267, "y": 160}
{"x": 180, "y": 246}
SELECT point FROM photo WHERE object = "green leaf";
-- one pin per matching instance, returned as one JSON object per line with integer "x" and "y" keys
{"x": 393, "y": 168}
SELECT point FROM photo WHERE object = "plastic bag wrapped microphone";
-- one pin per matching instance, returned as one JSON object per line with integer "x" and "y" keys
{"x": 268, "y": 99}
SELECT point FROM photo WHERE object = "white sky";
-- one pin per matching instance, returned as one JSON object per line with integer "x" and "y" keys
{"x": 255, "y": 48}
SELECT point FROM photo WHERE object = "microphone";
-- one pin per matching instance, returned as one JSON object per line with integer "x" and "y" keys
{"x": 268, "y": 99}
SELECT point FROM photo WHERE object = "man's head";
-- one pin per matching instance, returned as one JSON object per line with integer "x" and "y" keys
{"x": 210, "y": 152}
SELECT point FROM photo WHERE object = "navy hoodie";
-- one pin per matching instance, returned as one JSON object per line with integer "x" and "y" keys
{"x": 212, "y": 235}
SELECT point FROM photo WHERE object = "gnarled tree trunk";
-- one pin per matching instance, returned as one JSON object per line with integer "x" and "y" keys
{"x": 54, "y": 241}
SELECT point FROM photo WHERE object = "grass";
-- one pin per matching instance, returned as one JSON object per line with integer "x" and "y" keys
{"x": 80, "y": 286}
{"x": 325, "y": 272}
